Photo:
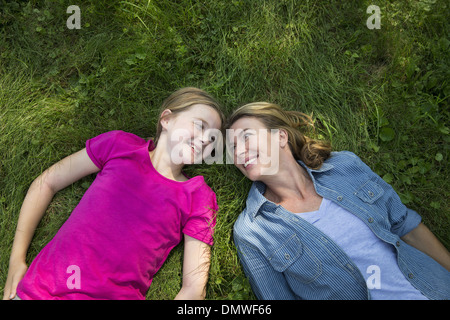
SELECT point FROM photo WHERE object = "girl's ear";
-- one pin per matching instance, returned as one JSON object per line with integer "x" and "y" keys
{"x": 164, "y": 118}
{"x": 284, "y": 138}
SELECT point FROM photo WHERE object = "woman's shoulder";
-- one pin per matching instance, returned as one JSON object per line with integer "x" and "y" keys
{"x": 344, "y": 159}
{"x": 343, "y": 155}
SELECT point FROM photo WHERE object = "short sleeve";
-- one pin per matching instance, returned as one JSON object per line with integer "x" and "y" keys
{"x": 201, "y": 221}
{"x": 100, "y": 148}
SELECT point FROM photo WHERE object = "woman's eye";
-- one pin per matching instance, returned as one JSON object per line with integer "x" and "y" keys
{"x": 247, "y": 135}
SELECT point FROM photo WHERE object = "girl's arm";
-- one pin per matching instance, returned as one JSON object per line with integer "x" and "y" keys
{"x": 196, "y": 263}
{"x": 424, "y": 240}
{"x": 39, "y": 195}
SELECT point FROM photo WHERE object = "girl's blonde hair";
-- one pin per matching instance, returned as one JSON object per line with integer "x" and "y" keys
{"x": 312, "y": 152}
{"x": 182, "y": 99}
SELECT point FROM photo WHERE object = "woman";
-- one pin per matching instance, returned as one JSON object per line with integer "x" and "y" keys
{"x": 324, "y": 226}
{"x": 137, "y": 209}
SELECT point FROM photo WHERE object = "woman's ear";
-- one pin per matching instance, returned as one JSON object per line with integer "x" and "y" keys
{"x": 164, "y": 118}
{"x": 284, "y": 138}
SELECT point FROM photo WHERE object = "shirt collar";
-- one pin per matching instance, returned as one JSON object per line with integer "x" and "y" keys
{"x": 256, "y": 199}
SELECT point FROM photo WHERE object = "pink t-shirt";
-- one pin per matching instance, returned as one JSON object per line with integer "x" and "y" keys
{"x": 123, "y": 229}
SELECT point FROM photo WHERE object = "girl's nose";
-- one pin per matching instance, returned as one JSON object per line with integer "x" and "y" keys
{"x": 207, "y": 138}
{"x": 204, "y": 140}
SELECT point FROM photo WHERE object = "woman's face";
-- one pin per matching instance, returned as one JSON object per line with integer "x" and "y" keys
{"x": 188, "y": 133}
{"x": 254, "y": 148}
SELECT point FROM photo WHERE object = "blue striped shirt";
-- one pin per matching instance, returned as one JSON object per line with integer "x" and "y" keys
{"x": 286, "y": 257}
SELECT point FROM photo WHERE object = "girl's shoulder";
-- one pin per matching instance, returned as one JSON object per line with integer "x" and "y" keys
{"x": 118, "y": 139}
{"x": 112, "y": 144}
{"x": 126, "y": 137}
{"x": 202, "y": 192}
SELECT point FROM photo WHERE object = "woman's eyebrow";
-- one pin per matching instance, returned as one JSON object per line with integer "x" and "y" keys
{"x": 242, "y": 131}
{"x": 249, "y": 129}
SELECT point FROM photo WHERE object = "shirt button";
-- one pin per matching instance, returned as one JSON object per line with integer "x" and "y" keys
{"x": 371, "y": 194}
{"x": 397, "y": 243}
{"x": 411, "y": 276}
{"x": 287, "y": 256}
{"x": 339, "y": 198}
{"x": 370, "y": 220}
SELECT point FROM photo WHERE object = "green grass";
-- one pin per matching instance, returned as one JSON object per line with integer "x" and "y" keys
{"x": 382, "y": 94}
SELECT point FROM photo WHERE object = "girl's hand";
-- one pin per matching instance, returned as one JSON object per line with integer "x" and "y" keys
{"x": 15, "y": 273}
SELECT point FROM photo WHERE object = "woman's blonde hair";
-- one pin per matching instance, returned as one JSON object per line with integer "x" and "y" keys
{"x": 311, "y": 151}
{"x": 182, "y": 99}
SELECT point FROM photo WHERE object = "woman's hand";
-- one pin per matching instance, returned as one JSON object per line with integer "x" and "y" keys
{"x": 15, "y": 273}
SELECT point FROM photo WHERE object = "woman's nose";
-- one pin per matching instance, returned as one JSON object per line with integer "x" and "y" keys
{"x": 240, "y": 149}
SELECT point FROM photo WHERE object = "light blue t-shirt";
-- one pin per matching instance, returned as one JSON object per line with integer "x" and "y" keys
{"x": 376, "y": 259}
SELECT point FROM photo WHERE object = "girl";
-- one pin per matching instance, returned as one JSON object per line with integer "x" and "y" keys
{"x": 324, "y": 226}
{"x": 129, "y": 219}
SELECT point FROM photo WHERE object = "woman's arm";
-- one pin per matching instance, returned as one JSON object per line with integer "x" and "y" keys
{"x": 196, "y": 263}
{"x": 406, "y": 222}
{"x": 424, "y": 240}
{"x": 39, "y": 195}
{"x": 265, "y": 281}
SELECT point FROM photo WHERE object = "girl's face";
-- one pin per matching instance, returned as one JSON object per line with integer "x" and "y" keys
{"x": 255, "y": 149}
{"x": 187, "y": 132}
